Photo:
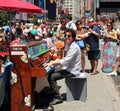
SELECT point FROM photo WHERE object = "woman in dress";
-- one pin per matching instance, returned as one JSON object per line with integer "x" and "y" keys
{"x": 110, "y": 37}
{"x": 115, "y": 71}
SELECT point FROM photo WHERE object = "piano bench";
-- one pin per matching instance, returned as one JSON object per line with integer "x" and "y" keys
{"x": 76, "y": 88}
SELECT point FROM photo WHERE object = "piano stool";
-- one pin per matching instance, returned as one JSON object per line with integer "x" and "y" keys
{"x": 76, "y": 88}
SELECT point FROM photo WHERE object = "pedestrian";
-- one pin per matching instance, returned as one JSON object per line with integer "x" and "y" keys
{"x": 70, "y": 66}
{"x": 93, "y": 39}
{"x": 69, "y": 22}
{"x": 108, "y": 62}
{"x": 19, "y": 30}
{"x": 26, "y": 30}
{"x": 81, "y": 30}
{"x": 3, "y": 48}
{"x": 114, "y": 72}
{"x": 60, "y": 43}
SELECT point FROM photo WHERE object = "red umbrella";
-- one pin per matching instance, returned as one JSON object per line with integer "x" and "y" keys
{"x": 20, "y": 6}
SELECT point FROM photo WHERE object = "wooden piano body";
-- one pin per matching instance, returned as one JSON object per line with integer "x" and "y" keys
{"x": 28, "y": 60}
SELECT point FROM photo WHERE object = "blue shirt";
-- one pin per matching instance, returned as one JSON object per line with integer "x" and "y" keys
{"x": 93, "y": 40}
{"x": 7, "y": 30}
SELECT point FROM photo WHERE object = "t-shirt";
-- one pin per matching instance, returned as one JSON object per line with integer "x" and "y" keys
{"x": 71, "y": 25}
{"x": 34, "y": 32}
{"x": 93, "y": 40}
{"x": 7, "y": 30}
{"x": 81, "y": 42}
{"x": 18, "y": 30}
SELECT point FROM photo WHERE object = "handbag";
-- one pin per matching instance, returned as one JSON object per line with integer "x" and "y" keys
{"x": 81, "y": 44}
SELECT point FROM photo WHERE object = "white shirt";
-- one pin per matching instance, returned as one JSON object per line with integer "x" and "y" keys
{"x": 26, "y": 31}
{"x": 71, "y": 25}
{"x": 72, "y": 61}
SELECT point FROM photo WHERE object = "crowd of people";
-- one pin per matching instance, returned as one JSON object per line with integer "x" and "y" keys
{"x": 72, "y": 41}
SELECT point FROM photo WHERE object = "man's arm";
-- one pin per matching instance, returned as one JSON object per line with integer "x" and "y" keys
{"x": 93, "y": 32}
{"x": 55, "y": 62}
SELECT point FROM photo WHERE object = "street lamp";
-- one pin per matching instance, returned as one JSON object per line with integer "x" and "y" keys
{"x": 84, "y": 12}
{"x": 94, "y": 9}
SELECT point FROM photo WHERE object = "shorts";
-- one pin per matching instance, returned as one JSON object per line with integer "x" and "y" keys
{"x": 93, "y": 55}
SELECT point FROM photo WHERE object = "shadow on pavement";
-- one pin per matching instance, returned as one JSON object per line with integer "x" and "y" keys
{"x": 116, "y": 80}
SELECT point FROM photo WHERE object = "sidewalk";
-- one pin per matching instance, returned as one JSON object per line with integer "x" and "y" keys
{"x": 101, "y": 94}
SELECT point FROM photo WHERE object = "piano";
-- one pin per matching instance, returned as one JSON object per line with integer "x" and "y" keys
{"x": 28, "y": 62}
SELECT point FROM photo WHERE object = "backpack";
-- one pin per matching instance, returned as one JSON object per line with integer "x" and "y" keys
{"x": 70, "y": 24}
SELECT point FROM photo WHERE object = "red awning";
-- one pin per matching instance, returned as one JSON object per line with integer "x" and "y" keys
{"x": 20, "y": 6}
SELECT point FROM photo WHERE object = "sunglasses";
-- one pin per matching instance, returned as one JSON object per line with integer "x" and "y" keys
{"x": 90, "y": 21}
{"x": 67, "y": 36}
{"x": 79, "y": 23}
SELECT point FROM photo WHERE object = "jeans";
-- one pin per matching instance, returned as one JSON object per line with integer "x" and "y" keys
{"x": 57, "y": 75}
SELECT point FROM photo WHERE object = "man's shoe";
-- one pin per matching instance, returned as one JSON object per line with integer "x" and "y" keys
{"x": 83, "y": 75}
{"x": 112, "y": 74}
{"x": 56, "y": 101}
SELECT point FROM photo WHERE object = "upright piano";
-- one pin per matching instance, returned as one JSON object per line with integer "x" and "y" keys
{"x": 28, "y": 62}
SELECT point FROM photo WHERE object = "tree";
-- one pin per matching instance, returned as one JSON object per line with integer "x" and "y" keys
{"x": 4, "y": 15}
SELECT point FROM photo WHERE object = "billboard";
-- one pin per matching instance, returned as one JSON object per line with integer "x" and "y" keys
{"x": 51, "y": 7}
{"x": 41, "y": 4}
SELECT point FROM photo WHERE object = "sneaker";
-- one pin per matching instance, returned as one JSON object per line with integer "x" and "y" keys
{"x": 112, "y": 74}
{"x": 56, "y": 101}
{"x": 82, "y": 75}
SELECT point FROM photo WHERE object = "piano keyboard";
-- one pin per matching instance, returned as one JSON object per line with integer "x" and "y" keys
{"x": 49, "y": 69}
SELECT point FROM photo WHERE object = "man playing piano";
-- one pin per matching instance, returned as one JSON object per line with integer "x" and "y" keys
{"x": 70, "y": 66}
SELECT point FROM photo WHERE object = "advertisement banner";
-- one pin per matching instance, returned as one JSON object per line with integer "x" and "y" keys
{"x": 51, "y": 7}
{"x": 41, "y": 4}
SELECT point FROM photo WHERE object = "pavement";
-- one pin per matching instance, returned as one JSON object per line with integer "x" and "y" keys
{"x": 102, "y": 94}
{"x": 116, "y": 80}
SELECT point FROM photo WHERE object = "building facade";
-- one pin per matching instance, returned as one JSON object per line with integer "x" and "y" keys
{"x": 73, "y": 6}
{"x": 82, "y": 8}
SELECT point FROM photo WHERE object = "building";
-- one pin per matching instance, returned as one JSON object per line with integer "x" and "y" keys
{"x": 82, "y": 8}
{"x": 73, "y": 6}
{"x": 109, "y": 5}
{"x": 96, "y": 8}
